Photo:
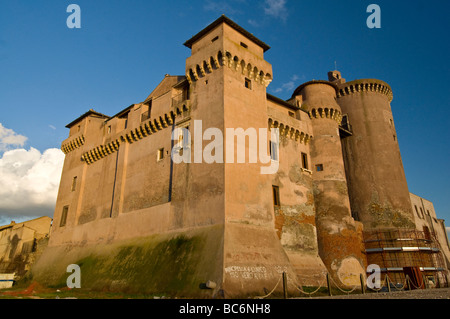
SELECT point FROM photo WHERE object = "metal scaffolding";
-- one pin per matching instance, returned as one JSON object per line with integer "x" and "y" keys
{"x": 394, "y": 251}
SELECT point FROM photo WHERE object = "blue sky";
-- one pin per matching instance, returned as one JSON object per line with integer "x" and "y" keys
{"x": 50, "y": 74}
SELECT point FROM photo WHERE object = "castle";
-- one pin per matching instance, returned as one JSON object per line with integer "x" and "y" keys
{"x": 136, "y": 221}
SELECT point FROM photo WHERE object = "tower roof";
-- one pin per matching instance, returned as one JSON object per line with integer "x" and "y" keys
{"x": 91, "y": 112}
{"x": 231, "y": 23}
{"x": 300, "y": 87}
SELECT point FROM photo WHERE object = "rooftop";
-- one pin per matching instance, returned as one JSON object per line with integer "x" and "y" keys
{"x": 231, "y": 23}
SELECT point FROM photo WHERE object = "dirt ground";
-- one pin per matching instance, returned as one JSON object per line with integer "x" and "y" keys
{"x": 35, "y": 291}
{"x": 441, "y": 293}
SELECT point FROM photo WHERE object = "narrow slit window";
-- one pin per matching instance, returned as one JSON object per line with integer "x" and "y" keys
{"x": 74, "y": 183}
{"x": 160, "y": 154}
{"x": 276, "y": 195}
{"x": 64, "y": 216}
{"x": 215, "y": 38}
{"x": 273, "y": 148}
{"x": 244, "y": 45}
{"x": 304, "y": 161}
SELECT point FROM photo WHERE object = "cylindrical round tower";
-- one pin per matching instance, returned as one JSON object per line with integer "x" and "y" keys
{"x": 376, "y": 179}
{"x": 339, "y": 236}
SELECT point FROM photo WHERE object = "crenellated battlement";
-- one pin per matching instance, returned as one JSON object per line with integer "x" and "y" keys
{"x": 147, "y": 128}
{"x": 289, "y": 131}
{"x": 328, "y": 113}
{"x": 73, "y": 144}
{"x": 227, "y": 59}
{"x": 365, "y": 85}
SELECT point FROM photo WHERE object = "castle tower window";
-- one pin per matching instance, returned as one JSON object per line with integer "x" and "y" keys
{"x": 248, "y": 83}
{"x": 319, "y": 167}
{"x": 276, "y": 195}
{"x": 160, "y": 154}
{"x": 64, "y": 216}
{"x": 74, "y": 183}
{"x": 109, "y": 129}
{"x": 273, "y": 148}
{"x": 244, "y": 45}
{"x": 214, "y": 39}
{"x": 304, "y": 160}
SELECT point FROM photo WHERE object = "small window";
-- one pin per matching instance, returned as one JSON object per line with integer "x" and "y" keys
{"x": 109, "y": 129}
{"x": 319, "y": 167}
{"x": 395, "y": 138}
{"x": 276, "y": 195}
{"x": 392, "y": 122}
{"x": 244, "y": 45}
{"x": 273, "y": 151}
{"x": 78, "y": 128}
{"x": 291, "y": 114}
{"x": 421, "y": 212}
{"x": 64, "y": 216}
{"x": 160, "y": 154}
{"x": 248, "y": 83}
{"x": 74, "y": 183}
{"x": 215, "y": 38}
{"x": 304, "y": 161}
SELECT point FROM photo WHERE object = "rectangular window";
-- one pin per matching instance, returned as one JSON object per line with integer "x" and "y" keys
{"x": 273, "y": 151}
{"x": 215, "y": 38}
{"x": 244, "y": 45}
{"x": 319, "y": 167}
{"x": 160, "y": 154}
{"x": 291, "y": 114}
{"x": 64, "y": 216}
{"x": 304, "y": 161}
{"x": 276, "y": 195}
{"x": 248, "y": 83}
{"x": 74, "y": 183}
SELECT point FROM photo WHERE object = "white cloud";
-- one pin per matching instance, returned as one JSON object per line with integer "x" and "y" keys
{"x": 253, "y": 23}
{"x": 29, "y": 182}
{"x": 276, "y": 9}
{"x": 10, "y": 139}
{"x": 288, "y": 86}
